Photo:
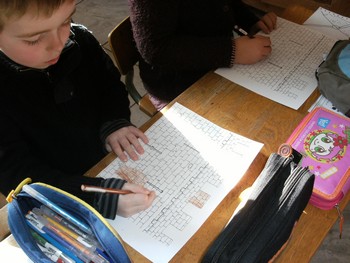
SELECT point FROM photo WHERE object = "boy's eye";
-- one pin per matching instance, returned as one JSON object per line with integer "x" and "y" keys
{"x": 32, "y": 43}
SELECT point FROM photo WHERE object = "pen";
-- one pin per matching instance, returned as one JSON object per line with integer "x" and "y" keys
{"x": 42, "y": 199}
{"x": 82, "y": 237}
{"x": 59, "y": 219}
{"x": 70, "y": 229}
{"x": 37, "y": 227}
{"x": 97, "y": 189}
{"x": 69, "y": 232}
{"x": 50, "y": 250}
{"x": 242, "y": 31}
{"x": 53, "y": 257}
{"x": 70, "y": 243}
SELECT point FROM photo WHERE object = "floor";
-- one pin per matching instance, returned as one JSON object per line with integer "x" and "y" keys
{"x": 100, "y": 16}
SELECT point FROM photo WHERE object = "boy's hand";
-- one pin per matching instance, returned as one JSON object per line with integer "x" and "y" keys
{"x": 126, "y": 140}
{"x": 252, "y": 50}
{"x": 138, "y": 201}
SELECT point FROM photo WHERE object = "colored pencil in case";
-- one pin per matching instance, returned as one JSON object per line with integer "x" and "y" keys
{"x": 42, "y": 199}
{"x": 34, "y": 225}
{"x": 72, "y": 244}
{"x": 67, "y": 231}
{"x": 56, "y": 217}
{"x": 50, "y": 250}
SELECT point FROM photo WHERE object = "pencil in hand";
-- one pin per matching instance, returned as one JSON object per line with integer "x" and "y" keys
{"x": 97, "y": 189}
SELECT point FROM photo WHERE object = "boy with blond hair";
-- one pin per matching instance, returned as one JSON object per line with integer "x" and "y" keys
{"x": 62, "y": 106}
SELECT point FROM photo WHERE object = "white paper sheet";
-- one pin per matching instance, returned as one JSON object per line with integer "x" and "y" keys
{"x": 329, "y": 23}
{"x": 192, "y": 164}
{"x": 287, "y": 76}
{"x": 323, "y": 102}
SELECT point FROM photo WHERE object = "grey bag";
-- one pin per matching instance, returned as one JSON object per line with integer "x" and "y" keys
{"x": 333, "y": 76}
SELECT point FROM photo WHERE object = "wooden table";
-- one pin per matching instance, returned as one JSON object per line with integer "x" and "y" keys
{"x": 241, "y": 111}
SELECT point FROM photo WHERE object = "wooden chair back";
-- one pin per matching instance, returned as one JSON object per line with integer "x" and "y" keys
{"x": 126, "y": 56}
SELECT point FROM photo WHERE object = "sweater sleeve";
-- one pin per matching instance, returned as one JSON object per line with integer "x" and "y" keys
{"x": 107, "y": 204}
{"x": 169, "y": 35}
{"x": 17, "y": 163}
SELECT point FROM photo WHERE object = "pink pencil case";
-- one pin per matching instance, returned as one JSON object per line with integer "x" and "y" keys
{"x": 323, "y": 139}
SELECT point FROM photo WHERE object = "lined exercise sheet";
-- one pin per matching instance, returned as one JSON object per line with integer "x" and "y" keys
{"x": 287, "y": 76}
{"x": 325, "y": 103}
{"x": 191, "y": 164}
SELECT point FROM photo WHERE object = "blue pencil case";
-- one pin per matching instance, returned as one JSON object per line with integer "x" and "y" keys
{"x": 21, "y": 204}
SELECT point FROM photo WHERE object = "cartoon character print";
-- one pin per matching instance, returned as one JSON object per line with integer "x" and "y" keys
{"x": 326, "y": 146}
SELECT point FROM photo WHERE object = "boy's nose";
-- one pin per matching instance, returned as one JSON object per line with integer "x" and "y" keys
{"x": 57, "y": 42}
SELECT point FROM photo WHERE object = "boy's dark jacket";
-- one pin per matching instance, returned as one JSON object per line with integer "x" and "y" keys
{"x": 53, "y": 122}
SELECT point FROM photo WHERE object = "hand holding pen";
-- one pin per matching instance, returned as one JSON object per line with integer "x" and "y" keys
{"x": 259, "y": 47}
{"x": 251, "y": 50}
{"x": 133, "y": 198}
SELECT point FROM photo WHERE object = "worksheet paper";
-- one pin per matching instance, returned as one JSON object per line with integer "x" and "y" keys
{"x": 191, "y": 164}
{"x": 287, "y": 75}
{"x": 325, "y": 103}
{"x": 329, "y": 23}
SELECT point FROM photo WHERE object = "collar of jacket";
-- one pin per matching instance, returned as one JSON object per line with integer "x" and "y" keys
{"x": 58, "y": 74}
{"x": 10, "y": 64}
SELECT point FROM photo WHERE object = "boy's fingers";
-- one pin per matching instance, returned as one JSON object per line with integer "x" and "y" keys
{"x": 134, "y": 141}
{"x": 138, "y": 133}
{"x": 119, "y": 151}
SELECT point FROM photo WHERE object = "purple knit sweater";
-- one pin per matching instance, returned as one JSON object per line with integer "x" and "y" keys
{"x": 181, "y": 40}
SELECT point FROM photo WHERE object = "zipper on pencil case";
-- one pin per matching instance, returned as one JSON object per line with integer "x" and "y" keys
{"x": 328, "y": 205}
{"x": 325, "y": 204}
{"x": 281, "y": 163}
{"x": 290, "y": 183}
